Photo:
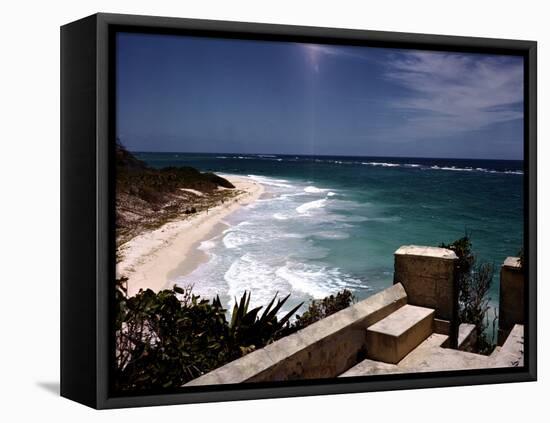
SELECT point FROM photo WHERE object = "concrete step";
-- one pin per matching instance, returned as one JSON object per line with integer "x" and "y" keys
{"x": 370, "y": 367}
{"x": 428, "y": 357}
{"x": 393, "y": 337}
{"x": 511, "y": 353}
{"x": 435, "y": 340}
{"x": 514, "y": 342}
{"x": 495, "y": 352}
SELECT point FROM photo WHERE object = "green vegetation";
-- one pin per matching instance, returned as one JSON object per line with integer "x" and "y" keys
{"x": 319, "y": 309}
{"x": 248, "y": 331}
{"x": 521, "y": 255}
{"x": 474, "y": 280}
{"x": 166, "y": 339}
{"x": 135, "y": 176}
{"x": 146, "y": 197}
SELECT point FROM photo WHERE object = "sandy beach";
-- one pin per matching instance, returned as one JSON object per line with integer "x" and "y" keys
{"x": 148, "y": 259}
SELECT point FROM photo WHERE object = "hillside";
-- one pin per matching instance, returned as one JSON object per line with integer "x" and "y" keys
{"x": 146, "y": 198}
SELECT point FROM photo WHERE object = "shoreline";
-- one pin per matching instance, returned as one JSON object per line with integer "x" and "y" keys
{"x": 151, "y": 257}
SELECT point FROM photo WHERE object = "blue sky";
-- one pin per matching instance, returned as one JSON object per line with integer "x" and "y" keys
{"x": 193, "y": 94}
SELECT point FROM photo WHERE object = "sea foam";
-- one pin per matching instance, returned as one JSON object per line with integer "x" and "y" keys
{"x": 207, "y": 245}
{"x": 281, "y": 183}
{"x": 317, "y": 204}
{"x": 314, "y": 190}
{"x": 317, "y": 281}
{"x": 280, "y": 216}
{"x": 236, "y": 239}
{"x": 383, "y": 164}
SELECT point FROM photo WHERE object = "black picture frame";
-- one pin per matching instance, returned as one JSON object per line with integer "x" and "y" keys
{"x": 87, "y": 214}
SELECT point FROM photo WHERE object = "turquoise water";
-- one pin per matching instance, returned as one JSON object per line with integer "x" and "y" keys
{"x": 327, "y": 223}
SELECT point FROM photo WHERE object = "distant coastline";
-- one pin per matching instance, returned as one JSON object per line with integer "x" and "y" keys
{"x": 149, "y": 258}
{"x": 163, "y": 214}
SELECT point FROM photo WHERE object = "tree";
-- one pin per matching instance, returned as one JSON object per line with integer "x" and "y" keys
{"x": 474, "y": 281}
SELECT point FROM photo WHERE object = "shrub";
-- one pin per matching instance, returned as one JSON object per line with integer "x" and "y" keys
{"x": 218, "y": 180}
{"x": 319, "y": 309}
{"x": 521, "y": 256}
{"x": 162, "y": 341}
{"x": 158, "y": 186}
{"x": 147, "y": 197}
{"x": 474, "y": 281}
{"x": 167, "y": 338}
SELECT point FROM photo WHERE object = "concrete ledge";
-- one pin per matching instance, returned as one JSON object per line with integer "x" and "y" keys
{"x": 512, "y": 263}
{"x": 324, "y": 349}
{"x": 512, "y": 351}
{"x": 466, "y": 337}
{"x": 426, "y": 251}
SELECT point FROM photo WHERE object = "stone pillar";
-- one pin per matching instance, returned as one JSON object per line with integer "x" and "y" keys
{"x": 512, "y": 296}
{"x": 428, "y": 276}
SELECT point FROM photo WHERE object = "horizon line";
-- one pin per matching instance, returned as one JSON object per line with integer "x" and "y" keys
{"x": 327, "y": 155}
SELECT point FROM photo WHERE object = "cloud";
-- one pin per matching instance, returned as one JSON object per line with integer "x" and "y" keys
{"x": 450, "y": 93}
{"x": 431, "y": 97}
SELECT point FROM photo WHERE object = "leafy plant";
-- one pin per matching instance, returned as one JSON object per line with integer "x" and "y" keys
{"x": 251, "y": 331}
{"x": 474, "y": 281}
{"x": 167, "y": 338}
{"x": 162, "y": 341}
{"x": 521, "y": 256}
{"x": 319, "y": 309}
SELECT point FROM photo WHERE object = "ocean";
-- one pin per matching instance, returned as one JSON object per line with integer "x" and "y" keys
{"x": 327, "y": 223}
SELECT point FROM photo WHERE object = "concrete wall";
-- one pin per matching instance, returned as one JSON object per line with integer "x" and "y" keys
{"x": 427, "y": 274}
{"x": 324, "y": 349}
{"x": 512, "y": 296}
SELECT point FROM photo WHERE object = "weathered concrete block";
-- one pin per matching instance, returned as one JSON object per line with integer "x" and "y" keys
{"x": 324, "y": 349}
{"x": 427, "y": 274}
{"x": 467, "y": 338}
{"x": 442, "y": 326}
{"x": 392, "y": 338}
{"x": 511, "y": 354}
{"x": 512, "y": 295}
